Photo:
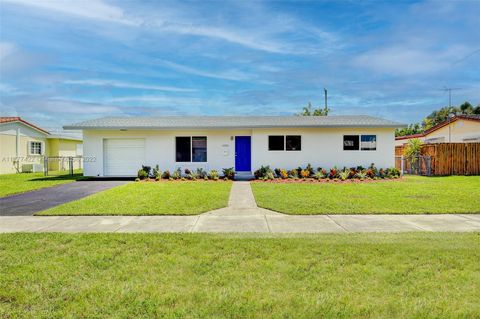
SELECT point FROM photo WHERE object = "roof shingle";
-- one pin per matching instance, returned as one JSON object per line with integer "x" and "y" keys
{"x": 227, "y": 122}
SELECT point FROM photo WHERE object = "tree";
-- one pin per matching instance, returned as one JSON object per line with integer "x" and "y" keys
{"x": 413, "y": 150}
{"x": 476, "y": 110}
{"x": 411, "y": 129}
{"x": 437, "y": 117}
{"x": 310, "y": 111}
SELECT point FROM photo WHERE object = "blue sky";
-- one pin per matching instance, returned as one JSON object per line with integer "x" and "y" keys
{"x": 66, "y": 61}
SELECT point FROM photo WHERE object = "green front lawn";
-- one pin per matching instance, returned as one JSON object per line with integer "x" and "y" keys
{"x": 411, "y": 195}
{"x": 24, "y": 182}
{"x": 150, "y": 198}
{"x": 434, "y": 275}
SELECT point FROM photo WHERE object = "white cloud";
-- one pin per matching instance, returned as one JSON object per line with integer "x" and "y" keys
{"x": 402, "y": 60}
{"x": 92, "y": 9}
{"x": 159, "y": 99}
{"x": 6, "y": 49}
{"x": 262, "y": 34}
{"x": 120, "y": 84}
{"x": 232, "y": 75}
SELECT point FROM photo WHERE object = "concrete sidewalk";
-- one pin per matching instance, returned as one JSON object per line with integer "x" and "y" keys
{"x": 243, "y": 215}
{"x": 247, "y": 223}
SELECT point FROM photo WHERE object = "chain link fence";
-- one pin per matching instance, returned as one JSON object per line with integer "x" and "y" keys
{"x": 62, "y": 165}
{"x": 415, "y": 165}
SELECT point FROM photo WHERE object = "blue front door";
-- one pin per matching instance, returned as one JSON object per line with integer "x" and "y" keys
{"x": 243, "y": 154}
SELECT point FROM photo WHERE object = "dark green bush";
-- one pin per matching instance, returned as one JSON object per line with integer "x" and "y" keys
{"x": 262, "y": 172}
{"x": 166, "y": 174}
{"x": 229, "y": 173}
{"x": 147, "y": 169}
{"x": 141, "y": 174}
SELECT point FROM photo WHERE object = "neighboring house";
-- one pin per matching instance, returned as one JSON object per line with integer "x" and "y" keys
{"x": 458, "y": 129}
{"x": 23, "y": 146}
{"x": 119, "y": 146}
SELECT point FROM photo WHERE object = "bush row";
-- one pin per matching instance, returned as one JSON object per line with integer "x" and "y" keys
{"x": 147, "y": 172}
{"x": 359, "y": 172}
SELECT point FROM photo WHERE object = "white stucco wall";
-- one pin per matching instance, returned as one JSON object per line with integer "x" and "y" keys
{"x": 323, "y": 148}
{"x": 320, "y": 147}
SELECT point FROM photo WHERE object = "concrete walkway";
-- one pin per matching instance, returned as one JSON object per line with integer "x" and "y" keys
{"x": 26, "y": 204}
{"x": 243, "y": 215}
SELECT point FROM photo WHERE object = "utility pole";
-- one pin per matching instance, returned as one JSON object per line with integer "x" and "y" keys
{"x": 325, "y": 91}
{"x": 450, "y": 116}
{"x": 449, "y": 90}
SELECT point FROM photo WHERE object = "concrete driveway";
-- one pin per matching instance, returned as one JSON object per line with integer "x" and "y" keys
{"x": 26, "y": 204}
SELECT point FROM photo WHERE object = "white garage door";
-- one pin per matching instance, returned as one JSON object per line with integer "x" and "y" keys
{"x": 123, "y": 156}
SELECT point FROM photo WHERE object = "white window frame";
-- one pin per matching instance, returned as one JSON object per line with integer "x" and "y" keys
{"x": 359, "y": 143}
{"x": 42, "y": 148}
{"x": 368, "y": 150}
{"x": 191, "y": 148}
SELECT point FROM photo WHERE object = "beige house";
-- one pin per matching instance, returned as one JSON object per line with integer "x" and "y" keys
{"x": 459, "y": 129}
{"x": 24, "y": 146}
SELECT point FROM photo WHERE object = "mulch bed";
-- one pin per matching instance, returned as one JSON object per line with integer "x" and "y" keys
{"x": 325, "y": 181}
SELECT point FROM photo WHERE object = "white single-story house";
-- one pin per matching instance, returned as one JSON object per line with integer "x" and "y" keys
{"x": 119, "y": 146}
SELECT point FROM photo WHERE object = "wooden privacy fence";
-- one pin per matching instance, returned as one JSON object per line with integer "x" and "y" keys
{"x": 450, "y": 158}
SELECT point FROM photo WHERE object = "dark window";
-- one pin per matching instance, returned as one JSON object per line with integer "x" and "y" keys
{"x": 293, "y": 143}
{"x": 369, "y": 143}
{"x": 183, "y": 149}
{"x": 351, "y": 142}
{"x": 199, "y": 149}
{"x": 276, "y": 143}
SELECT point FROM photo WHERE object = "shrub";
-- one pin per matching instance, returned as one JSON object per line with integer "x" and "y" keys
{"x": 319, "y": 175}
{"x": 353, "y": 172}
{"x": 278, "y": 172}
{"x": 213, "y": 174}
{"x": 392, "y": 172}
{"x": 304, "y": 173}
{"x": 283, "y": 173}
{"x": 177, "y": 174}
{"x": 193, "y": 176}
{"x": 413, "y": 149}
{"x": 262, "y": 172}
{"x": 344, "y": 174}
{"x": 166, "y": 174}
{"x": 141, "y": 174}
{"x": 229, "y": 173}
{"x": 137, "y": 179}
{"x": 293, "y": 173}
{"x": 369, "y": 173}
{"x": 299, "y": 171}
{"x": 157, "y": 178}
{"x": 270, "y": 175}
{"x": 361, "y": 175}
{"x": 381, "y": 173}
{"x": 147, "y": 169}
{"x": 373, "y": 169}
{"x": 333, "y": 173}
{"x": 201, "y": 173}
{"x": 309, "y": 168}
{"x": 156, "y": 172}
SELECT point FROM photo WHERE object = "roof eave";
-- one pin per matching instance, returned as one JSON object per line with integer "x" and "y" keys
{"x": 72, "y": 127}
